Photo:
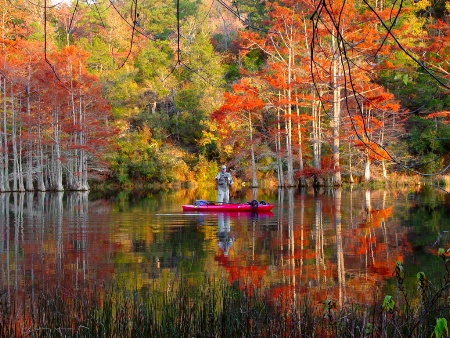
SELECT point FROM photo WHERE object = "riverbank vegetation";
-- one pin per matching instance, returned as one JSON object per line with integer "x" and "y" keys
{"x": 417, "y": 307}
{"x": 297, "y": 92}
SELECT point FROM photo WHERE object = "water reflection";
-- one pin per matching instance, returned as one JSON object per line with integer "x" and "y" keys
{"x": 225, "y": 239}
{"x": 340, "y": 244}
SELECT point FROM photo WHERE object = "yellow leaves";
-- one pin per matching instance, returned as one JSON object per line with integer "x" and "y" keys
{"x": 209, "y": 134}
{"x": 228, "y": 150}
{"x": 422, "y": 5}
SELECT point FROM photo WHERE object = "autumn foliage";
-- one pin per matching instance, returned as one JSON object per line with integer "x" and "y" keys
{"x": 55, "y": 122}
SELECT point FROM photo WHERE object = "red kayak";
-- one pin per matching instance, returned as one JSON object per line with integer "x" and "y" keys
{"x": 253, "y": 206}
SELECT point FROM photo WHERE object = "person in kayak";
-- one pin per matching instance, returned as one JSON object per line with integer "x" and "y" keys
{"x": 224, "y": 181}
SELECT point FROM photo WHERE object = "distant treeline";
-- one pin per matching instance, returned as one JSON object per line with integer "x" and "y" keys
{"x": 290, "y": 91}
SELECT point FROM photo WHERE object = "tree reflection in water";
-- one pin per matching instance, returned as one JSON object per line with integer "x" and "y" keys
{"x": 340, "y": 245}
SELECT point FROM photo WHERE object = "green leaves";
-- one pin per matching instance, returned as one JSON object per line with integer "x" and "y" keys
{"x": 429, "y": 141}
{"x": 402, "y": 77}
{"x": 388, "y": 304}
{"x": 327, "y": 305}
{"x": 368, "y": 329}
{"x": 422, "y": 280}
{"x": 440, "y": 328}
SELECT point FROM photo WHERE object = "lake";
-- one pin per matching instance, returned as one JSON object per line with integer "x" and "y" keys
{"x": 339, "y": 244}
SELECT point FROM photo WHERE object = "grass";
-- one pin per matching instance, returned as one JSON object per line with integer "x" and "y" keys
{"x": 213, "y": 308}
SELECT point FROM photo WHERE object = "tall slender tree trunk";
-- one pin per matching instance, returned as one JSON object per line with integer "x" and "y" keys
{"x": 350, "y": 169}
{"x": 5, "y": 138}
{"x": 302, "y": 180}
{"x": 15, "y": 155}
{"x": 71, "y": 166}
{"x": 252, "y": 152}
{"x": 19, "y": 155}
{"x": 383, "y": 167}
{"x": 29, "y": 145}
{"x": 383, "y": 161}
{"x": 367, "y": 175}
{"x": 55, "y": 168}
{"x": 83, "y": 164}
{"x": 83, "y": 155}
{"x": 40, "y": 165}
{"x": 336, "y": 117}
{"x": 40, "y": 185}
{"x": 316, "y": 139}
{"x": 3, "y": 148}
{"x": 280, "y": 173}
{"x": 288, "y": 126}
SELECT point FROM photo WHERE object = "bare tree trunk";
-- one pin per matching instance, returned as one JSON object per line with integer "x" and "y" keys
{"x": 383, "y": 161}
{"x": 337, "y": 74}
{"x": 40, "y": 185}
{"x": 280, "y": 174}
{"x": 350, "y": 169}
{"x": 83, "y": 167}
{"x": 28, "y": 145}
{"x": 367, "y": 168}
{"x": 6, "y": 186}
{"x": 383, "y": 166}
{"x": 13, "y": 145}
{"x": 252, "y": 152}
{"x": 56, "y": 172}
{"x": 316, "y": 139}
{"x": 3, "y": 149}
{"x": 72, "y": 152}
{"x": 288, "y": 126}
{"x": 17, "y": 163}
{"x": 302, "y": 181}
{"x": 19, "y": 157}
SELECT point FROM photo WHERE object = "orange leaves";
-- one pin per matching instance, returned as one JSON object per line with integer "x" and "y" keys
{"x": 249, "y": 40}
{"x": 443, "y": 116}
{"x": 60, "y": 105}
{"x": 377, "y": 216}
{"x": 243, "y": 98}
{"x": 248, "y": 276}
{"x": 374, "y": 150}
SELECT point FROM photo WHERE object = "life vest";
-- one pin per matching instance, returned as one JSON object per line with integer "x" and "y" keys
{"x": 223, "y": 180}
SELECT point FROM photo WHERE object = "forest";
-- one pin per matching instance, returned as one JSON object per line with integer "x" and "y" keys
{"x": 292, "y": 92}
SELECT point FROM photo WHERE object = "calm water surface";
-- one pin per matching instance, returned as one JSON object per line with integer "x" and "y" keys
{"x": 341, "y": 244}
